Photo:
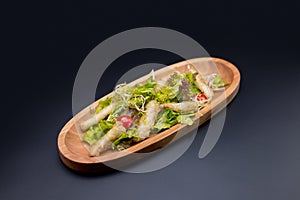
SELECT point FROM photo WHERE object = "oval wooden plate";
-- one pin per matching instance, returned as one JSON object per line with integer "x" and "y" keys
{"x": 75, "y": 156}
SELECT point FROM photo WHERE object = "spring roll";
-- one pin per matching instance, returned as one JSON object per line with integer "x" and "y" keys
{"x": 182, "y": 107}
{"x": 105, "y": 142}
{"x": 96, "y": 118}
{"x": 147, "y": 121}
{"x": 201, "y": 84}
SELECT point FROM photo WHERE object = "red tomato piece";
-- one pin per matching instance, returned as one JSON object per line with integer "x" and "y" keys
{"x": 126, "y": 120}
{"x": 201, "y": 97}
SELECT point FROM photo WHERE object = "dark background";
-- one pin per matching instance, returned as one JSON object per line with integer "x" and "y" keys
{"x": 257, "y": 157}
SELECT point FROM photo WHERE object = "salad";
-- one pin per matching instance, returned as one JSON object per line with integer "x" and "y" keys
{"x": 132, "y": 114}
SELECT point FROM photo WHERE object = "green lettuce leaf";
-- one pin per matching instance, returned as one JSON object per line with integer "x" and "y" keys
{"x": 168, "y": 94}
{"x": 142, "y": 94}
{"x": 193, "y": 89}
{"x": 106, "y": 125}
{"x": 181, "y": 87}
{"x": 171, "y": 92}
{"x": 185, "y": 119}
{"x": 167, "y": 119}
{"x": 94, "y": 133}
{"x": 102, "y": 104}
{"x": 218, "y": 82}
{"x": 125, "y": 139}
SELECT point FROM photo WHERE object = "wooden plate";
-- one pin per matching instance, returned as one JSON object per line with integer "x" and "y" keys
{"x": 75, "y": 156}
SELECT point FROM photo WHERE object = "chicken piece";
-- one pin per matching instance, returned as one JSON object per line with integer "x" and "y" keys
{"x": 96, "y": 118}
{"x": 147, "y": 121}
{"x": 105, "y": 142}
{"x": 182, "y": 107}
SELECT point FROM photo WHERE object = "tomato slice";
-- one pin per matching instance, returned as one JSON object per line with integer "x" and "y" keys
{"x": 126, "y": 120}
{"x": 201, "y": 97}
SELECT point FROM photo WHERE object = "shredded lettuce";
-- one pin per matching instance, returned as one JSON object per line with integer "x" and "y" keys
{"x": 142, "y": 94}
{"x": 147, "y": 90}
{"x": 102, "y": 104}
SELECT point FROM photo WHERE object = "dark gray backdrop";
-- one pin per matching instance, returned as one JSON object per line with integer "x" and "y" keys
{"x": 257, "y": 156}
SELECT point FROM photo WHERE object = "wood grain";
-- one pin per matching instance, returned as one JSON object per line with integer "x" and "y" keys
{"x": 74, "y": 154}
